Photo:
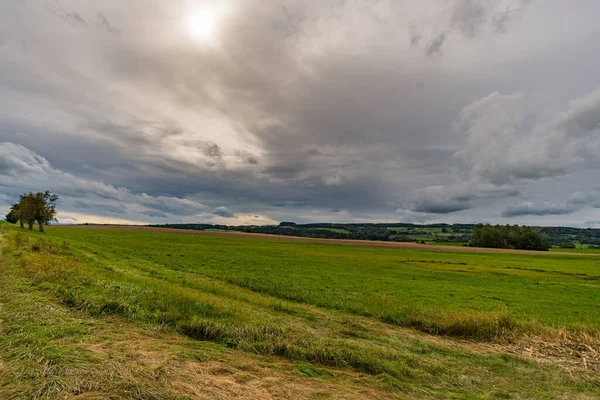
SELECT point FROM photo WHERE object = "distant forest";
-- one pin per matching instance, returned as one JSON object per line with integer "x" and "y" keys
{"x": 458, "y": 234}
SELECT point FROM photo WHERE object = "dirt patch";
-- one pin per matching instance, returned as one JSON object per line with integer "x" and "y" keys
{"x": 344, "y": 242}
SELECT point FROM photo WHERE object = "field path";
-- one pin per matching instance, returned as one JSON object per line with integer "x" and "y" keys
{"x": 344, "y": 242}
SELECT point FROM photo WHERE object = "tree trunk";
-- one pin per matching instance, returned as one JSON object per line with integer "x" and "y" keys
{"x": 30, "y": 226}
{"x": 22, "y": 225}
{"x": 41, "y": 225}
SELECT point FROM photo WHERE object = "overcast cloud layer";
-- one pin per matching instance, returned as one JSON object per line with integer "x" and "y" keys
{"x": 340, "y": 110}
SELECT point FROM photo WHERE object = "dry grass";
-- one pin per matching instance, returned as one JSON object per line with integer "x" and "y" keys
{"x": 575, "y": 353}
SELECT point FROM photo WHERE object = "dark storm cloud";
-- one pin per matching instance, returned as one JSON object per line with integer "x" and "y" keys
{"x": 155, "y": 214}
{"x": 471, "y": 18}
{"x": 528, "y": 208}
{"x": 415, "y": 39}
{"x": 71, "y": 17}
{"x": 285, "y": 171}
{"x": 213, "y": 150}
{"x": 303, "y": 110}
{"x": 435, "y": 46}
{"x": 23, "y": 170}
{"x": 590, "y": 198}
{"x": 105, "y": 23}
{"x": 77, "y": 20}
{"x": 95, "y": 207}
{"x": 441, "y": 207}
{"x": 502, "y": 19}
{"x": 223, "y": 212}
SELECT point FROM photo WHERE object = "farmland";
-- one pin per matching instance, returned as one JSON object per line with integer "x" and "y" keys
{"x": 315, "y": 320}
{"x": 442, "y": 234}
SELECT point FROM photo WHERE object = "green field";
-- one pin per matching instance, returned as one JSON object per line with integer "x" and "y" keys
{"x": 394, "y": 286}
{"x": 338, "y": 321}
{"x": 336, "y": 230}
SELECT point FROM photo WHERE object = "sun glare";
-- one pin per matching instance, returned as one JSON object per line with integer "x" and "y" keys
{"x": 203, "y": 24}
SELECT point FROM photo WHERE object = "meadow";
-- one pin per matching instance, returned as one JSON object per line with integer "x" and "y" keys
{"x": 393, "y": 286}
{"x": 328, "y": 321}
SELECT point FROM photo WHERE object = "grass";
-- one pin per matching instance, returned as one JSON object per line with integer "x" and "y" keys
{"x": 51, "y": 351}
{"x": 576, "y": 250}
{"x": 422, "y": 289}
{"x": 284, "y": 306}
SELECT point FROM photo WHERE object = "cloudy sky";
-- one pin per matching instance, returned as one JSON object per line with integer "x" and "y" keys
{"x": 256, "y": 111}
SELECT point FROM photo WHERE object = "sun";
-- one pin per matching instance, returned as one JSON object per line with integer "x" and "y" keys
{"x": 203, "y": 24}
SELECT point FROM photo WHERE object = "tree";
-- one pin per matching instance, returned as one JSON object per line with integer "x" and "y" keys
{"x": 567, "y": 245}
{"x": 288, "y": 224}
{"x": 507, "y": 237}
{"x": 11, "y": 218}
{"x": 38, "y": 207}
{"x": 27, "y": 207}
{"x": 14, "y": 215}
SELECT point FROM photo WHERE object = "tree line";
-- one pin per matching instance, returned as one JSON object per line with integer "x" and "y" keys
{"x": 33, "y": 208}
{"x": 508, "y": 237}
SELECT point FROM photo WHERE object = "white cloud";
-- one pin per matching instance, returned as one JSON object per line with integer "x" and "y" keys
{"x": 23, "y": 170}
{"x": 502, "y": 148}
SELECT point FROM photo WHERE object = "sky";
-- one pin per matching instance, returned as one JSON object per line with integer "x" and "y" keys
{"x": 260, "y": 111}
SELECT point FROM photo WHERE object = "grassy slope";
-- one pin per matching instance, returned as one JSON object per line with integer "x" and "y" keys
{"x": 118, "y": 304}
